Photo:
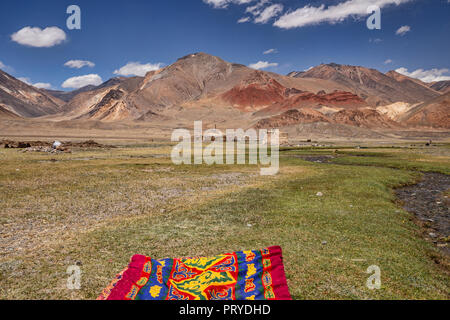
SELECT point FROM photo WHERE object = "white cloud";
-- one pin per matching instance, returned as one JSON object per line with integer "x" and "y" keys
{"x": 244, "y": 20}
{"x": 39, "y": 85}
{"x": 262, "y": 65}
{"x": 403, "y": 30}
{"x": 82, "y": 81}
{"x": 388, "y": 61}
{"x": 427, "y": 75}
{"x": 26, "y": 80}
{"x": 36, "y": 37}
{"x": 309, "y": 15}
{"x": 268, "y": 13}
{"x": 262, "y": 10}
{"x": 217, "y": 3}
{"x": 270, "y": 51}
{"x": 42, "y": 85}
{"x": 137, "y": 69}
{"x": 221, "y": 4}
{"x": 257, "y": 8}
{"x": 78, "y": 64}
{"x": 6, "y": 68}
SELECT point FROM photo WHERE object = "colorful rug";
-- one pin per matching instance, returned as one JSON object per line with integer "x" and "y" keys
{"x": 246, "y": 275}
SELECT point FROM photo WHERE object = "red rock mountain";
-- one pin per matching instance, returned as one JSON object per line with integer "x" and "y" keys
{"x": 202, "y": 86}
{"x": 292, "y": 117}
{"x": 196, "y": 79}
{"x": 300, "y": 100}
{"x": 254, "y": 93}
{"x": 364, "y": 118}
{"x": 373, "y": 86}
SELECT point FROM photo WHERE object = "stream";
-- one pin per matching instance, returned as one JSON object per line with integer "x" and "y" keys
{"x": 426, "y": 200}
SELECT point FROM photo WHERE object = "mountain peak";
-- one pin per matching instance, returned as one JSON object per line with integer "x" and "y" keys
{"x": 333, "y": 65}
{"x": 199, "y": 56}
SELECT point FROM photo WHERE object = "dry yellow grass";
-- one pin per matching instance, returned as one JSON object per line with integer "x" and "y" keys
{"x": 99, "y": 207}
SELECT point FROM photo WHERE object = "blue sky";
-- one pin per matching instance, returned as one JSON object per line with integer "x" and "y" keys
{"x": 155, "y": 33}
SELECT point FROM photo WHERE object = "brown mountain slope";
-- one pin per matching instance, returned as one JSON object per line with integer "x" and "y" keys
{"x": 434, "y": 113}
{"x": 441, "y": 86}
{"x": 364, "y": 118}
{"x": 407, "y": 81}
{"x": 371, "y": 85}
{"x": 7, "y": 114}
{"x": 106, "y": 102}
{"x": 26, "y": 100}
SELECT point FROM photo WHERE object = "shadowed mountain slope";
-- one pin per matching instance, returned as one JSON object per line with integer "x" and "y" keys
{"x": 25, "y": 100}
{"x": 441, "y": 86}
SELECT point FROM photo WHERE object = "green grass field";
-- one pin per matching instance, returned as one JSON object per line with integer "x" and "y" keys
{"x": 97, "y": 208}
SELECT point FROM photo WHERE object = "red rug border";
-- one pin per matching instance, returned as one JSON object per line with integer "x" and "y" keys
{"x": 280, "y": 286}
{"x": 130, "y": 277}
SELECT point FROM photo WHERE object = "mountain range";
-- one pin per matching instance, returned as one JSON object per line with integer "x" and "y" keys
{"x": 204, "y": 87}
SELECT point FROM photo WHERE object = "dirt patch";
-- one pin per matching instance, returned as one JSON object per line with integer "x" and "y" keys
{"x": 317, "y": 159}
{"x": 429, "y": 203}
{"x": 85, "y": 144}
{"x": 41, "y": 144}
{"x": 14, "y": 144}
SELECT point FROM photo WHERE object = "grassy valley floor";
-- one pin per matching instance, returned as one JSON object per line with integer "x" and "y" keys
{"x": 98, "y": 207}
